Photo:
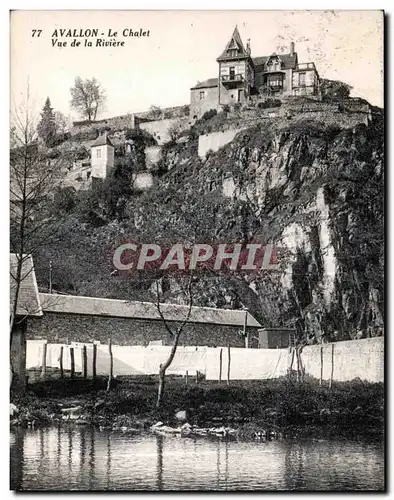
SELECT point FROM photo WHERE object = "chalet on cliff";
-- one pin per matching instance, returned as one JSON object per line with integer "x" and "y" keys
{"x": 241, "y": 76}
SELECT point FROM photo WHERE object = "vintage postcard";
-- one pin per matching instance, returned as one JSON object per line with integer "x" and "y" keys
{"x": 197, "y": 251}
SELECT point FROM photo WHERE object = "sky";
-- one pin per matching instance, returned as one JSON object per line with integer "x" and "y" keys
{"x": 181, "y": 50}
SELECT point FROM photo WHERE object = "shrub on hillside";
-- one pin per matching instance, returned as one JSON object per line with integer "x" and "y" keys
{"x": 155, "y": 113}
{"x": 185, "y": 110}
{"x": 101, "y": 130}
{"x": 86, "y": 135}
{"x": 80, "y": 153}
{"x": 269, "y": 103}
{"x": 53, "y": 153}
{"x": 208, "y": 115}
{"x": 60, "y": 138}
{"x": 334, "y": 89}
{"x": 141, "y": 138}
{"x": 64, "y": 200}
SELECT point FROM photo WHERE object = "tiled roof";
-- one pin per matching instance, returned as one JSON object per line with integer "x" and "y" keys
{"x": 234, "y": 42}
{"x": 28, "y": 303}
{"x": 102, "y": 140}
{"x": 206, "y": 84}
{"x": 73, "y": 304}
{"x": 288, "y": 60}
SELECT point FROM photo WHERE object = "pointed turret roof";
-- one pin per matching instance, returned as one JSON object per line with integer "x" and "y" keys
{"x": 102, "y": 140}
{"x": 235, "y": 42}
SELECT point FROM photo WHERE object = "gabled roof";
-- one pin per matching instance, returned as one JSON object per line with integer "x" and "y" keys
{"x": 206, "y": 84}
{"x": 102, "y": 140}
{"x": 234, "y": 43}
{"x": 73, "y": 304}
{"x": 28, "y": 303}
{"x": 288, "y": 60}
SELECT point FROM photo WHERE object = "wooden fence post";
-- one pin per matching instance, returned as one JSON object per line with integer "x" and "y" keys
{"x": 290, "y": 368}
{"x": 94, "y": 361}
{"x": 220, "y": 364}
{"x": 196, "y": 376}
{"x": 187, "y": 377}
{"x": 61, "y": 362}
{"x": 44, "y": 362}
{"x": 84, "y": 362}
{"x": 72, "y": 362}
{"x": 111, "y": 365}
{"x": 245, "y": 331}
{"x": 228, "y": 366}
{"x": 321, "y": 365}
{"x": 332, "y": 364}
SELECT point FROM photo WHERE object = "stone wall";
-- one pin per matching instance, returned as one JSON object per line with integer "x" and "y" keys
{"x": 56, "y": 327}
{"x": 143, "y": 181}
{"x": 354, "y": 359}
{"x": 152, "y": 156}
{"x": 350, "y": 359}
{"x": 115, "y": 123}
{"x": 123, "y": 122}
{"x": 346, "y": 361}
{"x": 160, "y": 129}
{"x": 215, "y": 141}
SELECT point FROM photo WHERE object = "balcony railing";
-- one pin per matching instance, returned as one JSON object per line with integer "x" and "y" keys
{"x": 273, "y": 68}
{"x": 304, "y": 66}
{"x": 232, "y": 78}
{"x": 275, "y": 86}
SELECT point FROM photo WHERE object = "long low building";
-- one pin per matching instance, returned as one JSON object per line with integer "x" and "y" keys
{"x": 71, "y": 318}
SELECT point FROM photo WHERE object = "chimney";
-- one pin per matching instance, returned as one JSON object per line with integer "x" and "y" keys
{"x": 292, "y": 48}
{"x": 248, "y": 46}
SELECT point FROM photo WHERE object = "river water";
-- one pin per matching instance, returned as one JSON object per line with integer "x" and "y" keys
{"x": 83, "y": 458}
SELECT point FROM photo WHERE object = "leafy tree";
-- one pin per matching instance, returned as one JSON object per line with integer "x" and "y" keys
{"x": 335, "y": 89}
{"x": 87, "y": 97}
{"x": 46, "y": 128}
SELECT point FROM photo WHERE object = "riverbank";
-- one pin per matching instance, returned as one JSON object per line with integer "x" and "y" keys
{"x": 251, "y": 408}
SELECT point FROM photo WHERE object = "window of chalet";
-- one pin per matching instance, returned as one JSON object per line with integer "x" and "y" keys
{"x": 275, "y": 80}
{"x": 301, "y": 79}
{"x": 202, "y": 94}
{"x": 98, "y": 153}
{"x": 274, "y": 65}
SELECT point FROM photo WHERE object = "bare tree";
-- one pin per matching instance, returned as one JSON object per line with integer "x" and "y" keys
{"x": 87, "y": 97}
{"x": 32, "y": 221}
{"x": 62, "y": 123}
{"x": 175, "y": 333}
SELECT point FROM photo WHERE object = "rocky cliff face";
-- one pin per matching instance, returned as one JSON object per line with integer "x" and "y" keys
{"x": 315, "y": 191}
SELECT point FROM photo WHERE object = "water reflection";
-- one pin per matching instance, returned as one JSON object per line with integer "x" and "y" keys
{"x": 83, "y": 458}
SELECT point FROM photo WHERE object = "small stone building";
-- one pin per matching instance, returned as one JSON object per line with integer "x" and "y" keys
{"x": 102, "y": 156}
{"x": 69, "y": 318}
{"x": 27, "y": 307}
{"x": 275, "y": 338}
